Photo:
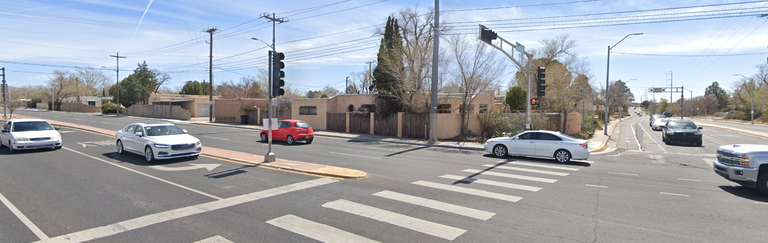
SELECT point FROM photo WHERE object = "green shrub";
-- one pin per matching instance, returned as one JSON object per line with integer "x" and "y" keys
{"x": 109, "y": 108}
{"x": 493, "y": 123}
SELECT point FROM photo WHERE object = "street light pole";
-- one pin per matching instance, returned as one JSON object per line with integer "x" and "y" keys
{"x": 607, "y": 73}
{"x": 752, "y": 111}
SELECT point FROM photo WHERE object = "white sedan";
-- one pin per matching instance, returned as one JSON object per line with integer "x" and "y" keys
{"x": 20, "y": 134}
{"x": 546, "y": 144}
{"x": 659, "y": 123}
{"x": 157, "y": 140}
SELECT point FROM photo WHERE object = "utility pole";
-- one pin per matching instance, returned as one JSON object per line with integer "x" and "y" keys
{"x": 117, "y": 69}
{"x": 210, "y": 76}
{"x": 433, "y": 100}
{"x": 5, "y": 102}
{"x": 368, "y": 78}
{"x": 670, "y": 91}
{"x": 270, "y": 156}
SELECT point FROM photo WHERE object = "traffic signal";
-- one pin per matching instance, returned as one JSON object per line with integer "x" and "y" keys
{"x": 535, "y": 101}
{"x": 540, "y": 88}
{"x": 487, "y": 35}
{"x": 278, "y": 76}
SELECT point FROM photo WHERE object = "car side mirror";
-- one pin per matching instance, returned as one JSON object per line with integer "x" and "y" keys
{"x": 56, "y": 128}
{"x": 4, "y": 131}
{"x": 700, "y": 128}
{"x": 184, "y": 130}
{"x": 139, "y": 134}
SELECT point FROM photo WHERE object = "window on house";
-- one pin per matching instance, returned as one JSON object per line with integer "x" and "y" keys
{"x": 308, "y": 110}
{"x": 443, "y": 108}
{"x": 483, "y": 108}
{"x": 367, "y": 108}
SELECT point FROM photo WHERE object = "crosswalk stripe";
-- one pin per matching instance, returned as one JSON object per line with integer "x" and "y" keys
{"x": 317, "y": 231}
{"x": 470, "y": 191}
{"x": 513, "y": 176}
{"x": 543, "y": 166}
{"x": 528, "y": 170}
{"x": 215, "y": 239}
{"x": 405, "y": 221}
{"x": 433, "y": 204}
{"x": 492, "y": 183}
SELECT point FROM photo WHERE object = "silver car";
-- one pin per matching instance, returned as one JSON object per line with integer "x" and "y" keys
{"x": 546, "y": 144}
{"x": 157, "y": 140}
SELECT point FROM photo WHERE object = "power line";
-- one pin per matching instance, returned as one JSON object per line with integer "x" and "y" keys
{"x": 687, "y": 55}
{"x": 518, "y": 6}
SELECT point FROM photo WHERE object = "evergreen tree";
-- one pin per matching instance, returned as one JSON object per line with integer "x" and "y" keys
{"x": 515, "y": 98}
{"x": 192, "y": 88}
{"x": 387, "y": 75}
{"x": 719, "y": 93}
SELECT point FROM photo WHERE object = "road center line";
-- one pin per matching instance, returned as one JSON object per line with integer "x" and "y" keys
{"x": 152, "y": 219}
{"x": 354, "y": 155}
{"x": 595, "y": 186}
{"x": 673, "y": 194}
{"x": 626, "y": 174}
{"x": 145, "y": 174}
{"x": 39, "y": 233}
{"x": 683, "y": 179}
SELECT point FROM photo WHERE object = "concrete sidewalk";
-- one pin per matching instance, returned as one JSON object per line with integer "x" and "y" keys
{"x": 245, "y": 158}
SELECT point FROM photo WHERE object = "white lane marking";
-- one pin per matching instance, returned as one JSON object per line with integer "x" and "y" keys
{"x": 528, "y": 170}
{"x": 469, "y": 191}
{"x": 408, "y": 222}
{"x": 354, "y": 155}
{"x": 492, "y": 183}
{"x": 513, "y": 176}
{"x": 433, "y": 204}
{"x": 152, "y": 219}
{"x": 673, "y": 194}
{"x": 215, "y": 239}
{"x": 762, "y": 203}
{"x": 626, "y": 174}
{"x": 317, "y": 231}
{"x": 216, "y": 138}
{"x": 709, "y": 162}
{"x": 595, "y": 186}
{"x": 145, "y": 174}
{"x": 66, "y": 131}
{"x": 208, "y": 167}
{"x": 32, "y": 227}
{"x": 543, "y": 166}
{"x": 683, "y": 179}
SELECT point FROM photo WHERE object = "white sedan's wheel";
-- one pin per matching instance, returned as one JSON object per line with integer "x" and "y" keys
{"x": 562, "y": 156}
{"x": 120, "y": 148}
{"x": 500, "y": 150}
{"x": 148, "y": 154}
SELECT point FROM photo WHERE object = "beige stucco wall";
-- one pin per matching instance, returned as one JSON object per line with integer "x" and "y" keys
{"x": 316, "y": 121}
{"x": 340, "y": 103}
{"x": 190, "y": 105}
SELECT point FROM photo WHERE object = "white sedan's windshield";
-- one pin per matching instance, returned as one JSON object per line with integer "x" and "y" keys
{"x": 31, "y": 126}
{"x": 163, "y": 130}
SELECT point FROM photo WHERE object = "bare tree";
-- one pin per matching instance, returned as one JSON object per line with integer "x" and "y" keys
{"x": 61, "y": 86}
{"x": 162, "y": 78}
{"x": 477, "y": 69}
{"x": 91, "y": 81}
{"x": 331, "y": 91}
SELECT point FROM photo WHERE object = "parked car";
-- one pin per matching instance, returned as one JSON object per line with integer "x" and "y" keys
{"x": 659, "y": 123}
{"x": 157, "y": 140}
{"x": 746, "y": 164}
{"x": 18, "y": 134}
{"x": 681, "y": 131}
{"x": 290, "y": 131}
{"x": 654, "y": 118}
{"x": 547, "y": 144}
{"x": 667, "y": 114}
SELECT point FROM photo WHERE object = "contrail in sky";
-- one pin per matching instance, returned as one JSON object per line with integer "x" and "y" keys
{"x": 142, "y": 18}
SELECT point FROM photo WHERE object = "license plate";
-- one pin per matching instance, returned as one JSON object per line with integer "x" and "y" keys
{"x": 307, "y": 137}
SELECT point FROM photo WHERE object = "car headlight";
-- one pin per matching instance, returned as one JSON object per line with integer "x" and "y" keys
{"x": 488, "y": 141}
{"x": 197, "y": 143}
{"x": 56, "y": 137}
{"x": 670, "y": 132}
{"x": 161, "y": 145}
{"x": 697, "y": 133}
{"x": 22, "y": 139}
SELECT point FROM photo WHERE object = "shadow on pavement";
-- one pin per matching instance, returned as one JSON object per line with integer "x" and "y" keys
{"x": 745, "y": 192}
{"x": 137, "y": 159}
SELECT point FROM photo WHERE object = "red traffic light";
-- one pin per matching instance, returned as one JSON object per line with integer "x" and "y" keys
{"x": 534, "y": 101}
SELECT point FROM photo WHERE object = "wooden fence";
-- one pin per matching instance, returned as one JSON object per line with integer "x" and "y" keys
{"x": 385, "y": 126}
{"x": 416, "y": 125}
{"x": 360, "y": 122}
{"x": 336, "y": 122}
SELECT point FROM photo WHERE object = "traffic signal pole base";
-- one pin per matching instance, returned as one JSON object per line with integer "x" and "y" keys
{"x": 269, "y": 157}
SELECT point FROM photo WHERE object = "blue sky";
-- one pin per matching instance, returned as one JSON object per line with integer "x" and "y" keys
{"x": 324, "y": 45}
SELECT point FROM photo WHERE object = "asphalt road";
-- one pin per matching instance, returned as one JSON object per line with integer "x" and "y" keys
{"x": 666, "y": 193}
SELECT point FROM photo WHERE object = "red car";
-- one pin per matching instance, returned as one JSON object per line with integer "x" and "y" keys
{"x": 290, "y": 131}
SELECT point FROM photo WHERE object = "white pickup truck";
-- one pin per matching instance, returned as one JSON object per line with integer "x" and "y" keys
{"x": 746, "y": 164}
